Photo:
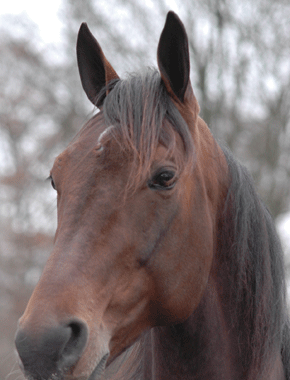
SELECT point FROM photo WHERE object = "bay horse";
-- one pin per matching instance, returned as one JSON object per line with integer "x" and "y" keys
{"x": 166, "y": 264}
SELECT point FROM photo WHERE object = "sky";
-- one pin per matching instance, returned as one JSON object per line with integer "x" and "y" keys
{"x": 43, "y": 13}
{"x": 46, "y": 16}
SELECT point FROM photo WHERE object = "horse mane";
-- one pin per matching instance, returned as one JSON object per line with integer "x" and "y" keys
{"x": 143, "y": 116}
{"x": 248, "y": 240}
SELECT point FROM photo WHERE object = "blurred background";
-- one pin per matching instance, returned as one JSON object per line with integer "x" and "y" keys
{"x": 240, "y": 71}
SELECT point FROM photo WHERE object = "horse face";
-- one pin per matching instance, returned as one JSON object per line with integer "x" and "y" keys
{"x": 121, "y": 263}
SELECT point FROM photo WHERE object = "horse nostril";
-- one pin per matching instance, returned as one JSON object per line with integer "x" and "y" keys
{"x": 75, "y": 345}
{"x": 53, "y": 351}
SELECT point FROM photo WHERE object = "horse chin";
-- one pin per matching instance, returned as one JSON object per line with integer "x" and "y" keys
{"x": 96, "y": 373}
{"x": 100, "y": 368}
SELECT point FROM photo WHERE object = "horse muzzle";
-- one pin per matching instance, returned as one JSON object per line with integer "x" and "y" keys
{"x": 55, "y": 352}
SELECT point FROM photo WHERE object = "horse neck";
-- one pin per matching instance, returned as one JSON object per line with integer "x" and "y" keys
{"x": 205, "y": 346}
{"x": 198, "y": 348}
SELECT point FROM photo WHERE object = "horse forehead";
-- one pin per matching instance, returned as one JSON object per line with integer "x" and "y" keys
{"x": 87, "y": 140}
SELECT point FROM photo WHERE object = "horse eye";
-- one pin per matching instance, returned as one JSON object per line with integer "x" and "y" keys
{"x": 164, "y": 180}
{"x": 52, "y": 182}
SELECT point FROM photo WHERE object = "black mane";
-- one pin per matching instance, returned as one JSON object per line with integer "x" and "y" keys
{"x": 249, "y": 242}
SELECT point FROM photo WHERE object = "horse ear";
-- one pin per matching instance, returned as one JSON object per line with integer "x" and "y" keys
{"x": 173, "y": 57}
{"x": 95, "y": 71}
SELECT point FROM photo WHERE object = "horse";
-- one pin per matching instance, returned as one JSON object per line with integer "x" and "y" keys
{"x": 166, "y": 263}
